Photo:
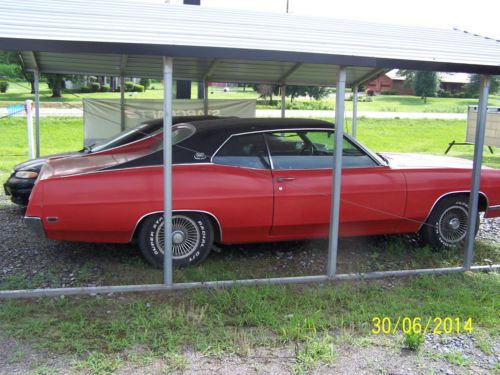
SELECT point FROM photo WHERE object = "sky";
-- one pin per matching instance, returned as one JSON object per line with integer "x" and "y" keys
{"x": 479, "y": 16}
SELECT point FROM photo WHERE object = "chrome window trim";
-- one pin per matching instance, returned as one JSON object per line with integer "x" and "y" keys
{"x": 377, "y": 160}
{"x": 237, "y": 135}
{"x": 160, "y": 212}
{"x": 450, "y": 193}
{"x": 268, "y": 152}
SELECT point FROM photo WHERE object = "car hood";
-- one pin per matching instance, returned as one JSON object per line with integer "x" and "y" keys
{"x": 36, "y": 164}
{"x": 424, "y": 161}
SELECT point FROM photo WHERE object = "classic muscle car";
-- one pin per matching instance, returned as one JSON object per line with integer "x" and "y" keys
{"x": 24, "y": 175}
{"x": 253, "y": 180}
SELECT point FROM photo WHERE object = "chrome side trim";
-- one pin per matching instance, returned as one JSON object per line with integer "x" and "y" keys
{"x": 450, "y": 193}
{"x": 126, "y": 169}
{"x": 493, "y": 208}
{"x": 160, "y": 212}
{"x": 35, "y": 225}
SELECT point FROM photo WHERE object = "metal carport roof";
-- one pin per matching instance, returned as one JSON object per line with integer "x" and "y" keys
{"x": 130, "y": 38}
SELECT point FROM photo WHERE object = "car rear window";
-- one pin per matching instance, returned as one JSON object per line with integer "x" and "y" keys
{"x": 181, "y": 132}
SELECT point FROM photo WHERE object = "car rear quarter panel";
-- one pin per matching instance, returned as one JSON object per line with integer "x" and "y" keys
{"x": 106, "y": 206}
{"x": 426, "y": 186}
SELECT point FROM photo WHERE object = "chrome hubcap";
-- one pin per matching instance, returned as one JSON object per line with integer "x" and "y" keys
{"x": 178, "y": 237}
{"x": 186, "y": 237}
{"x": 453, "y": 224}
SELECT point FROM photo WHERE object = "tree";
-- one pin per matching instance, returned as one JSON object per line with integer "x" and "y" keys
{"x": 423, "y": 83}
{"x": 472, "y": 88}
{"x": 267, "y": 90}
{"x": 312, "y": 91}
{"x": 56, "y": 84}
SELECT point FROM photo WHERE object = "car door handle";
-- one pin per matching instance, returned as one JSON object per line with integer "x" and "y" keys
{"x": 285, "y": 179}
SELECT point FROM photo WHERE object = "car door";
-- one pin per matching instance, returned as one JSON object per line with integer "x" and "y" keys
{"x": 242, "y": 188}
{"x": 372, "y": 195}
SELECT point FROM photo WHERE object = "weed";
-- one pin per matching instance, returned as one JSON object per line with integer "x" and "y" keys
{"x": 100, "y": 364}
{"x": 313, "y": 352}
{"x": 44, "y": 370}
{"x": 174, "y": 362}
{"x": 456, "y": 358}
{"x": 142, "y": 358}
{"x": 17, "y": 356}
{"x": 414, "y": 340}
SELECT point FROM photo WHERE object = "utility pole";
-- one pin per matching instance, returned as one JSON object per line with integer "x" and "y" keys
{"x": 183, "y": 86}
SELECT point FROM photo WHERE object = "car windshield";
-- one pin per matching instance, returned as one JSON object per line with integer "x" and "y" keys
{"x": 143, "y": 130}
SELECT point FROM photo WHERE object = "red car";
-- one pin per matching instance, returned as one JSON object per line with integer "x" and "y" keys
{"x": 253, "y": 180}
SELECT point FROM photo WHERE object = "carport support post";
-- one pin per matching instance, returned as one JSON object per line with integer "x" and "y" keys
{"x": 167, "y": 170}
{"x": 354, "y": 110}
{"x": 482, "y": 110}
{"x": 283, "y": 100}
{"x": 122, "y": 103}
{"x": 205, "y": 98}
{"x": 36, "y": 75}
{"x": 337, "y": 172}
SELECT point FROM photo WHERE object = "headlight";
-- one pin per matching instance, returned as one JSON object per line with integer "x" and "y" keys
{"x": 26, "y": 174}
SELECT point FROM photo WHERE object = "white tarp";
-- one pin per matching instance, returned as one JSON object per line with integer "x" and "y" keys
{"x": 492, "y": 135}
{"x": 102, "y": 117}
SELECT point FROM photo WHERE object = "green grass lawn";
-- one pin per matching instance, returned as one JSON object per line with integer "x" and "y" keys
{"x": 19, "y": 91}
{"x": 59, "y": 134}
{"x": 102, "y": 331}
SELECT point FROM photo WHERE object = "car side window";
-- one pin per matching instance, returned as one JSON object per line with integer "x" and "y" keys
{"x": 248, "y": 151}
{"x": 312, "y": 150}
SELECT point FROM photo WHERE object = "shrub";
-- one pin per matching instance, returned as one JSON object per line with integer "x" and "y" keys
{"x": 389, "y": 92}
{"x": 444, "y": 94}
{"x": 129, "y": 86}
{"x": 9, "y": 71}
{"x": 370, "y": 92}
{"x": 95, "y": 87}
{"x": 138, "y": 88}
{"x": 4, "y": 85}
{"x": 85, "y": 89}
{"x": 105, "y": 88}
{"x": 146, "y": 82}
{"x": 414, "y": 340}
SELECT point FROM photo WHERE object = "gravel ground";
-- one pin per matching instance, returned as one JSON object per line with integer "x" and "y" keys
{"x": 378, "y": 355}
{"x": 44, "y": 263}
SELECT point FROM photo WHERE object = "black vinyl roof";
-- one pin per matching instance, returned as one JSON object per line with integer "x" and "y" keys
{"x": 210, "y": 134}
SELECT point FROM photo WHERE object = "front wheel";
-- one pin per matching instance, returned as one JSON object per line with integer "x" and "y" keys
{"x": 447, "y": 224}
{"x": 192, "y": 239}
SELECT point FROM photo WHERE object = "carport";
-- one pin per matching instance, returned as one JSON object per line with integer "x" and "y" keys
{"x": 122, "y": 38}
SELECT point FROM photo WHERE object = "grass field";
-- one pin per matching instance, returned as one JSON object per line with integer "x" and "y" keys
{"x": 18, "y": 92}
{"x": 102, "y": 334}
{"x": 59, "y": 134}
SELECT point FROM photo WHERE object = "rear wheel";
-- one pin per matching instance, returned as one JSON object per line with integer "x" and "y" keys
{"x": 192, "y": 239}
{"x": 447, "y": 224}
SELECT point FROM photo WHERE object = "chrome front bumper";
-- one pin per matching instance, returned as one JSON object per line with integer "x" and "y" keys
{"x": 35, "y": 225}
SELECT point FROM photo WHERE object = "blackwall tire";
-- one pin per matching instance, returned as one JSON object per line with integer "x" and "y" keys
{"x": 446, "y": 226}
{"x": 192, "y": 239}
